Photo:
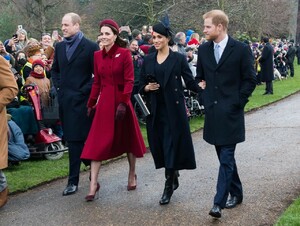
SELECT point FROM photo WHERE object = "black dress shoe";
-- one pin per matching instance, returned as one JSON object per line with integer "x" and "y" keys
{"x": 233, "y": 201}
{"x": 70, "y": 189}
{"x": 215, "y": 211}
{"x": 268, "y": 93}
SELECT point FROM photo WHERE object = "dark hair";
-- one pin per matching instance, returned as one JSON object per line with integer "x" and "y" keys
{"x": 165, "y": 31}
{"x": 44, "y": 34}
{"x": 147, "y": 38}
{"x": 265, "y": 39}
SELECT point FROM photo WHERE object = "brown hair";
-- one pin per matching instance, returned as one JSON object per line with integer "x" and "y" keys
{"x": 32, "y": 50}
{"x": 218, "y": 17}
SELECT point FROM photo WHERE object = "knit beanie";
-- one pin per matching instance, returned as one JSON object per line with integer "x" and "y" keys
{"x": 38, "y": 62}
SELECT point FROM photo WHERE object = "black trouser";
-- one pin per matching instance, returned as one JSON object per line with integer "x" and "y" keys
{"x": 269, "y": 87}
{"x": 291, "y": 66}
{"x": 75, "y": 149}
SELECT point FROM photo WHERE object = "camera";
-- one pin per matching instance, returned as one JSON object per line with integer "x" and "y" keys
{"x": 15, "y": 36}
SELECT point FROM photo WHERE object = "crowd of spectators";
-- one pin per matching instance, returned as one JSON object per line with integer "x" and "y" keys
{"x": 22, "y": 52}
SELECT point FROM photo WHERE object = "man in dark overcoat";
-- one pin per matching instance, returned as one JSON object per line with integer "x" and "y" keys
{"x": 226, "y": 73}
{"x": 290, "y": 55}
{"x": 298, "y": 53}
{"x": 267, "y": 66}
{"x": 72, "y": 72}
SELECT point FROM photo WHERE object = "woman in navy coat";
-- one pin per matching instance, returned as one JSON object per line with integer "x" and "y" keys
{"x": 167, "y": 125}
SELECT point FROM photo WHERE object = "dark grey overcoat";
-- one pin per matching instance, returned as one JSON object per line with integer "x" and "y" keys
{"x": 228, "y": 86}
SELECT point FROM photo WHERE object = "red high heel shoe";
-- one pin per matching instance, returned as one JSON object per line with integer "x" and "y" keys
{"x": 132, "y": 187}
{"x": 90, "y": 198}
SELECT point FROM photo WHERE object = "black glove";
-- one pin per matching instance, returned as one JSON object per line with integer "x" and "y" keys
{"x": 121, "y": 111}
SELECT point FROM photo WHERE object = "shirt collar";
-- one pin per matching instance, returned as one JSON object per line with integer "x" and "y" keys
{"x": 223, "y": 43}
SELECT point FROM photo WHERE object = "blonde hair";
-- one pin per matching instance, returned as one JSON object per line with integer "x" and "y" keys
{"x": 218, "y": 17}
{"x": 74, "y": 17}
{"x": 195, "y": 35}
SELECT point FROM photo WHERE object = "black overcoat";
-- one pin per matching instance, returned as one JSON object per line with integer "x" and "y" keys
{"x": 267, "y": 63}
{"x": 177, "y": 68}
{"x": 228, "y": 86}
{"x": 73, "y": 81}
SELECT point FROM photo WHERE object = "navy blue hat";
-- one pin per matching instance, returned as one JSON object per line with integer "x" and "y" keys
{"x": 161, "y": 29}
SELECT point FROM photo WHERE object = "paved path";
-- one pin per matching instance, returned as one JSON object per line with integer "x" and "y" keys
{"x": 269, "y": 166}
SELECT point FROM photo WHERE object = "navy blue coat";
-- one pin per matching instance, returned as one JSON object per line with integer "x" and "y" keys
{"x": 228, "y": 86}
{"x": 73, "y": 81}
{"x": 177, "y": 68}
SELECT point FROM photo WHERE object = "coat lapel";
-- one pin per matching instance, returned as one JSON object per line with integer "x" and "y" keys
{"x": 211, "y": 55}
{"x": 227, "y": 51}
{"x": 171, "y": 62}
{"x": 151, "y": 67}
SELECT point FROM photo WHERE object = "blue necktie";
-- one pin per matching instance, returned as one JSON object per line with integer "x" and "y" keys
{"x": 217, "y": 53}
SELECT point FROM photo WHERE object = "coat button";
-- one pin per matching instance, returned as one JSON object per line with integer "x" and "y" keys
{"x": 216, "y": 87}
{"x": 175, "y": 77}
{"x": 175, "y": 90}
{"x": 215, "y": 102}
{"x": 177, "y": 102}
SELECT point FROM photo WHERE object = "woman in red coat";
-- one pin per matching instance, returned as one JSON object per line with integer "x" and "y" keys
{"x": 115, "y": 129}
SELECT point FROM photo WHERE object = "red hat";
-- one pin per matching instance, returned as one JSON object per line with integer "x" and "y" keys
{"x": 38, "y": 62}
{"x": 110, "y": 23}
{"x": 193, "y": 41}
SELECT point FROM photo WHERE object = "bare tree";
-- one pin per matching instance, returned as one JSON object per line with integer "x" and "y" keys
{"x": 254, "y": 17}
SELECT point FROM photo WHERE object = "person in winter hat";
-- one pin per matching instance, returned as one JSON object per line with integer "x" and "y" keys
{"x": 37, "y": 76}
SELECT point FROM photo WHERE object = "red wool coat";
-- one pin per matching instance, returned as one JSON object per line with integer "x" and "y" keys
{"x": 113, "y": 83}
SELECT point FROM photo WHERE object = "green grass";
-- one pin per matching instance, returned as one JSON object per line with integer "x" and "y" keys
{"x": 291, "y": 216}
{"x": 32, "y": 173}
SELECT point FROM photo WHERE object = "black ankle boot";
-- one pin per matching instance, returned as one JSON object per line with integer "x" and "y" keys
{"x": 168, "y": 191}
{"x": 176, "y": 182}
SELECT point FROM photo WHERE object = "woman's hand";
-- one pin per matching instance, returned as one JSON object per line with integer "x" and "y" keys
{"x": 202, "y": 84}
{"x": 151, "y": 87}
